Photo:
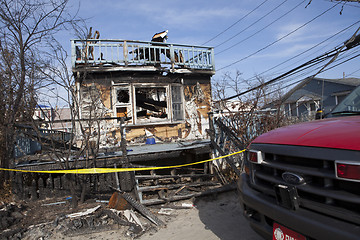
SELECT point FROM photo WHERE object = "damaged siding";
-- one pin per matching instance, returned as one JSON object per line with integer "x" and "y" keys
{"x": 165, "y": 110}
{"x": 197, "y": 107}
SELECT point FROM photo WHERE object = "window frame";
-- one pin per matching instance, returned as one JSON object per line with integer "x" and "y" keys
{"x": 147, "y": 85}
{"x": 116, "y": 104}
{"x": 131, "y": 106}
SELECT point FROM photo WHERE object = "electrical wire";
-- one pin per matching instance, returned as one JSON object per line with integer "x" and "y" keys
{"x": 258, "y": 30}
{"x": 311, "y": 69}
{"x": 236, "y": 22}
{"x": 292, "y": 71}
{"x": 352, "y": 73}
{"x": 324, "y": 70}
{"x": 251, "y": 25}
{"x": 309, "y": 66}
{"x": 353, "y": 57}
{"x": 298, "y": 81}
{"x": 318, "y": 44}
{"x": 318, "y": 67}
{"x": 278, "y": 40}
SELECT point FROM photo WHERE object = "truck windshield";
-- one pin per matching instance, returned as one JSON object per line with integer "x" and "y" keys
{"x": 350, "y": 105}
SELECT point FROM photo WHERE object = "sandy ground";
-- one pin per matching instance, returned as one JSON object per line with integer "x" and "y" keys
{"x": 213, "y": 218}
{"x": 217, "y": 217}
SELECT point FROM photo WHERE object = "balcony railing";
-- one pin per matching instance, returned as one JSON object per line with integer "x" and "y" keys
{"x": 127, "y": 53}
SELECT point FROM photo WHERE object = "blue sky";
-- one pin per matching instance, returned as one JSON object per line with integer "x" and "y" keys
{"x": 259, "y": 23}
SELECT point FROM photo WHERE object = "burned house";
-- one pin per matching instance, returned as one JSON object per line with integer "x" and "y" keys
{"x": 139, "y": 105}
{"x": 161, "y": 90}
{"x": 143, "y": 106}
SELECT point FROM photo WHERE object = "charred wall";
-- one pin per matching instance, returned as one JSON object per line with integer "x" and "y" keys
{"x": 167, "y": 107}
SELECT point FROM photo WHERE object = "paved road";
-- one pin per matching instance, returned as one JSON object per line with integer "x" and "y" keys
{"x": 213, "y": 218}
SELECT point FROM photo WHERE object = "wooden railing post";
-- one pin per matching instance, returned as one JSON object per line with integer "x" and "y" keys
{"x": 125, "y": 53}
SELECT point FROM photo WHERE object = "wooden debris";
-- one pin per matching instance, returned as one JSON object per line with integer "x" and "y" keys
{"x": 225, "y": 188}
{"x": 131, "y": 217}
{"x": 141, "y": 208}
{"x": 84, "y": 213}
{"x": 166, "y": 211}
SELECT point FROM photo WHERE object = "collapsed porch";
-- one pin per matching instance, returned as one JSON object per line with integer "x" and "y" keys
{"x": 145, "y": 184}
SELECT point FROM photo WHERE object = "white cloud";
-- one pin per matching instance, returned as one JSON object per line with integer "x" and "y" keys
{"x": 174, "y": 13}
{"x": 309, "y": 33}
{"x": 288, "y": 51}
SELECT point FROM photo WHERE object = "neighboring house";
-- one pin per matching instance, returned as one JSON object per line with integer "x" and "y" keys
{"x": 54, "y": 127}
{"x": 160, "y": 89}
{"x": 44, "y": 113}
{"x": 26, "y": 139}
{"x": 304, "y": 99}
{"x": 53, "y": 118}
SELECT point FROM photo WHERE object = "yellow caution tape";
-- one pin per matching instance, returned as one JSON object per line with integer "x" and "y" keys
{"x": 112, "y": 170}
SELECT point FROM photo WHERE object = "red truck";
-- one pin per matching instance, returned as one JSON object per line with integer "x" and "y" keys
{"x": 303, "y": 181}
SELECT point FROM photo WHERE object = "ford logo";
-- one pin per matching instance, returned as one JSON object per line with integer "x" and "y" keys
{"x": 292, "y": 178}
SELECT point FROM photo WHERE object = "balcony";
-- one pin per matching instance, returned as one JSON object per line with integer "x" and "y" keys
{"x": 128, "y": 55}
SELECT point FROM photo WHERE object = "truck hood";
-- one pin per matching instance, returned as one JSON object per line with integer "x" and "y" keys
{"x": 341, "y": 133}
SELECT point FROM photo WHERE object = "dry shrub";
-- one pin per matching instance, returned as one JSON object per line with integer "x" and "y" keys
{"x": 6, "y": 194}
{"x": 230, "y": 174}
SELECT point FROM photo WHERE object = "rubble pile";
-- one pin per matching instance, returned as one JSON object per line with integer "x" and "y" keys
{"x": 102, "y": 219}
{"x": 11, "y": 214}
{"x": 55, "y": 219}
{"x": 130, "y": 214}
{"x": 16, "y": 223}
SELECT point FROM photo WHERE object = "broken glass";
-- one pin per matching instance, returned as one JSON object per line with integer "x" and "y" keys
{"x": 151, "y": 104}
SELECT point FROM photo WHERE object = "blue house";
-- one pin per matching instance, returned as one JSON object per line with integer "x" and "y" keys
{"x": 309, "y": 95}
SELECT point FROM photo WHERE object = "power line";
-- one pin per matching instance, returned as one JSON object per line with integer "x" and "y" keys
{"x": 302, "y": 59}
{"x": 282, "y": 78}
{"x": 236, "y": 22}
{"x": 312, "y": 62}
{"x": 352, "y": 73}
{"x": 304, "y": 74}
{"x": 278, "y": 40}
{"x": 348, "y": 43}
{"x": 349, "y": 59}
{"x": 287, "y": 60}
{"x": 252, "y": 24}
{"x": 311, "y": 70}
{"x": 262, "y": 28}
{"x": 308, "y": 66}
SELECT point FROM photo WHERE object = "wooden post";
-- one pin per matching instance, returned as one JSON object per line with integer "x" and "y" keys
{"x": 125, "y": 53}
{"x": 212, "y": 138}
{"x": 127, "y": 179}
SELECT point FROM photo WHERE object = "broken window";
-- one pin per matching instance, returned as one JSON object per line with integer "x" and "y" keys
{"x": 151, "y": 104}
{"x": 177, "y": 103}
{"x": 122, "y": 96}
{"x": 122, "y": 102}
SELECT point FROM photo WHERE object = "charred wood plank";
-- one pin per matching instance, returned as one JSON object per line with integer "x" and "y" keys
{"x": 225, "y": 188}
{"x": 141, "y": 208}
{"x": 173, "y": 186}
{"x": 149, "y": 177}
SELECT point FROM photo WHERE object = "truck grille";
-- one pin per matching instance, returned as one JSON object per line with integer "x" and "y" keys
{"x": 322, "y": 192}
